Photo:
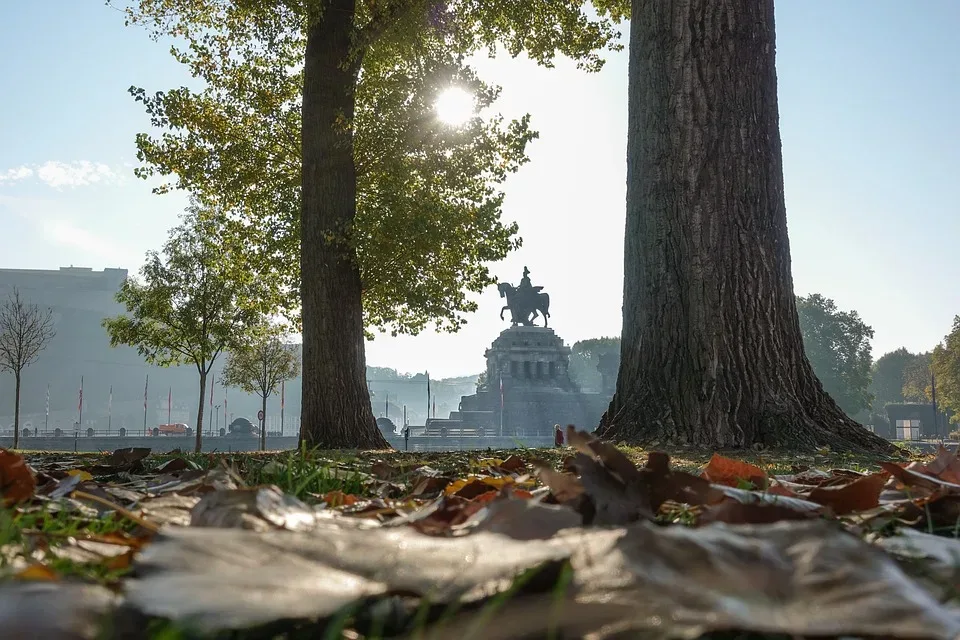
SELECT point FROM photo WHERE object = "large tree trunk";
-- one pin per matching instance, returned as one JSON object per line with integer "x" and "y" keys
{"x": 712, "y": 353}
{"x": 335, "y": 409}
{"x": 198, "y": 447}
{"x": 16, "y": 412}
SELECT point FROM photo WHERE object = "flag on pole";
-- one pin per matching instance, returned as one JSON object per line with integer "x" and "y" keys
{"x": 110, "y": 403}
{"x": 47, "y": 413}
{"x": 281, "y": 393}
{"x": 146, "y": 387}
{"x": 212, "y": 380}
{"x": 428, "y": 394}
{"x": 80, "y": 405}
{"x": 225, "y": 403}
{"x": 169, "y": 404}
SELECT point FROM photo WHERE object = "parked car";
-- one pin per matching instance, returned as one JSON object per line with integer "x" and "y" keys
{"x": 242, "y": 427}
{"x": 178, "y": 429}
{"x": 387, "y": 426}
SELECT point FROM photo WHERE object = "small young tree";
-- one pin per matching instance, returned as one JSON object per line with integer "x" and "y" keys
{"x": 260, "y": 366}
{"x": 25, "y": 331}
{"x": 189, "y": 307}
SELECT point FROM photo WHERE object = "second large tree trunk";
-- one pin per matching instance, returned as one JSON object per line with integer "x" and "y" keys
{"x": 335, "y": 409}
{"x": 712, "y": 353}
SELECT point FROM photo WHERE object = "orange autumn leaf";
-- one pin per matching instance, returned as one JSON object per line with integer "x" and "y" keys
{"x": 37, "y": 572}
{"x": 17, "y": 483}
{"x": 860, "y": 495}
{"x": 729, "y": 472}
{"x": 946, "y": 466}
{"x": 339, "y": 498}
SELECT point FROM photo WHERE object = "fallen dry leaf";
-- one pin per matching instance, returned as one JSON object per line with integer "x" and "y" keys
{"x": 513, "y": 464}
{"x": 730, "y": 472}
{"x": 176, "y": 464}
{"x": 53, "y": 611}
{"x": 860, "y": 495}
{"x": 603, "y": 452}
{"x": 37, "y": 572}
{"x": 918, "y": 480}
{"x": 565, "y": 487}
{"x": 383, "y": 471}
{"x": 258, "y": 508}
{"x": 732, "y": 512}
{"x": 17, "y": 483}
{"x": 126, "y": 457}
{"x": 236, "y": 578}
{"x": 338, "y": 498}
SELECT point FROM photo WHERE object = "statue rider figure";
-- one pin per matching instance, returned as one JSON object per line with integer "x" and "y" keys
{"x": 524, "y": 289}
{"x": 524, "y": 300}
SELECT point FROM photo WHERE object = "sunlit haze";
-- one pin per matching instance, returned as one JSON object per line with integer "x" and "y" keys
{"x": 868, "y": 92}
{"x": 455, "y": 106}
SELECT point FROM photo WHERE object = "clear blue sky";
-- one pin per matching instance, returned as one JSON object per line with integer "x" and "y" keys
{"x": 869, "y": 90}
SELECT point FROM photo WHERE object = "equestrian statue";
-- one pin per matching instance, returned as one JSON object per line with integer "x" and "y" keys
{"x": 526, "y": 302}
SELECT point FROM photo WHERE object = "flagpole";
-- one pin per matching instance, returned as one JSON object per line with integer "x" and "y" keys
{"x": 169, "y": 403}
{"x": 110, "y": 410}
{"x": 282, "y": 402}
{"x": 146, "y": 388}
{"x": 46, "y": 419}
{"x": 80, "y": 422}
{"x": 428, "y": 397}
{"x": 501, "y": 406}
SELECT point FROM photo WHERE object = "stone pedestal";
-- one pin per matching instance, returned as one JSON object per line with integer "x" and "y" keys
{"x": 530, "y": 358}
{"x": 528, "y": 388}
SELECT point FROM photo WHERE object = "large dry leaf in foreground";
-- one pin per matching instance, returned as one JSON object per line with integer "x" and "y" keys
{"x": 16, "y": 480}
{"x": 237, "y": 578}
{"x": 53, "y": 611}
{"x": 802, "y": 579}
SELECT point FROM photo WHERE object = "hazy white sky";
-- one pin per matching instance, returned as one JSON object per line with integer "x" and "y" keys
{"x": 868, "y": 97}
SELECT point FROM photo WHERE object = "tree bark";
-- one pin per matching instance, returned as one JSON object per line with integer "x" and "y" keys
{"x": 335, "y": 409}
{"x": 712, "y": 353}
{"x": 263, "y": 423}
{"x": 198, "y": 447}
{"x": 16, "y": 412}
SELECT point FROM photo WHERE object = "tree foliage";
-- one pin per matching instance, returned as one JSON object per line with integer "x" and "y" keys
{"x": 917, "y": 378}
{"x": 189, "y": 304}
{"x": 946, "y": 367}
{"x": 888, "y": 376}
{"x": 259, "y": 366}
{"x": 429, "y": 195}
{"x": 837, "y": 344}
{"x": 585, "y": 358}
{"x": 25, "y": 330}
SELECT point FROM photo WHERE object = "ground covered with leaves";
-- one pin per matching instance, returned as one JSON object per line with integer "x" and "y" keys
{"x": 586, "y": 541}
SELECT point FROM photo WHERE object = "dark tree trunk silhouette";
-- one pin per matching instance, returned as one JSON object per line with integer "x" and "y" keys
{"x": 335, "y": 409}
{"x": 198, "y": 447}
{"x": 16, "y": 412}
{"x": 712, "y": 353}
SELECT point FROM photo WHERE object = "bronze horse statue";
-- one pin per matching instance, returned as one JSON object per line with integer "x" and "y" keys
{"x": 522, "y": 304}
